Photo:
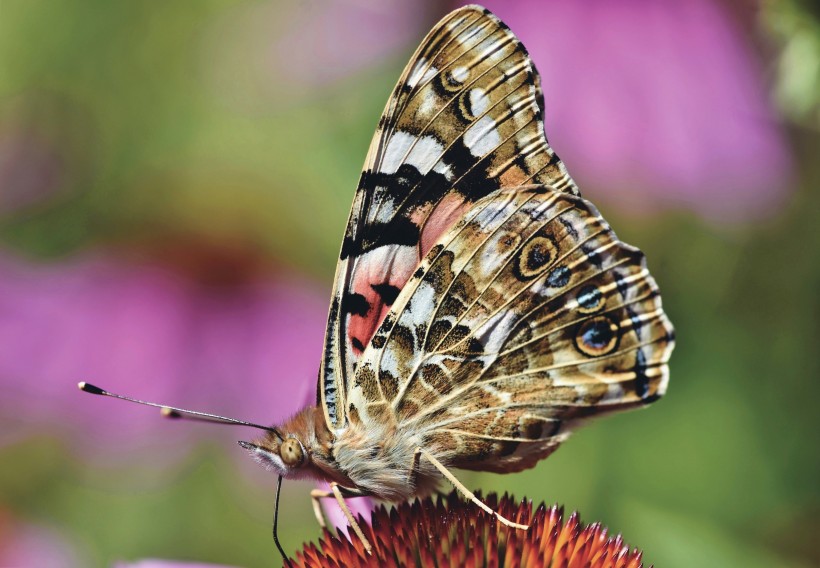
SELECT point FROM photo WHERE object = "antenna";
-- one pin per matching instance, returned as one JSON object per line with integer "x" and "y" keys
{"x": 180, "y": 413}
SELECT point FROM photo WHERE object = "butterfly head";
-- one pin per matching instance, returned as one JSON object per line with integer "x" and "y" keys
{"x": 285, "y": 456}
{"x": 295, "y": 449}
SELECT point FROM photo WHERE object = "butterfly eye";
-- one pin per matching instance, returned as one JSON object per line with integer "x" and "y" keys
{"x": 292, "y": 453}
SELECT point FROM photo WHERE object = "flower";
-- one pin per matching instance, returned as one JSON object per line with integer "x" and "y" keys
{"x": 449, "y": 531}
{"x": 26, "y": 544}
{"x": 656, "y": 105}
{"x": 248, "y": 348}
{"x": 155, "y": 563}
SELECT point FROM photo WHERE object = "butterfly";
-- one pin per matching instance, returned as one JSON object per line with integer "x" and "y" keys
{"x": 482, "y": 309}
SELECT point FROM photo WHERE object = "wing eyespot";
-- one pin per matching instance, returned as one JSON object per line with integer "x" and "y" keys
{"x": 590, "y": 299}
{"x": 537, "y": 254}
{"x": 597, "y": 336}
{"x": 559, "y": 277}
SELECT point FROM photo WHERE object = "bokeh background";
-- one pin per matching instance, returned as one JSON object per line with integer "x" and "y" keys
{"x": 174, "y": 181}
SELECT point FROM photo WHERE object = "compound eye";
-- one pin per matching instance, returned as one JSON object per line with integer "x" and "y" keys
{"x": 292, "y": 453}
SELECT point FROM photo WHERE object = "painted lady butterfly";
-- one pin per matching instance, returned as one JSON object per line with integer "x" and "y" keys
{"x": 482, "y": 309}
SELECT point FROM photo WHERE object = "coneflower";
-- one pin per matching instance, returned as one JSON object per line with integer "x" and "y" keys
{"x": 449, "y": 531}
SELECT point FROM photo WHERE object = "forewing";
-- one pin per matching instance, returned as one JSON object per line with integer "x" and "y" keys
{"x": 526, "y": 317}
{"x": 464, "y": 120}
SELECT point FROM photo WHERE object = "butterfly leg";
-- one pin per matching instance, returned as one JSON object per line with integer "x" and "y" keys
{"x": 339, "y": 493}
{"x": 317, "y": 494}
{"x": 466, "y": 492}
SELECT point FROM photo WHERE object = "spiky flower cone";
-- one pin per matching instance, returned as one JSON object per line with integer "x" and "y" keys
{"x": 448, "y": 531}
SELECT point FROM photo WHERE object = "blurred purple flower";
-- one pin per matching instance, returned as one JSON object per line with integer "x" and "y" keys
{"x": 331, "y": 40}
{"x": 656, "y": 104}
{"x": 33, "y": 545}
{"x": 249, "y": 350}
{"x": 153, "y": 563}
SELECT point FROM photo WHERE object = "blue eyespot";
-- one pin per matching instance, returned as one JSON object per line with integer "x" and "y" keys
{"x": 589, "y": 298}
{"x": 559, "y": 277}
{"x": 597, "y": 336}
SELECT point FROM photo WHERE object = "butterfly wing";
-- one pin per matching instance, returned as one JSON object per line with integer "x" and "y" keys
{"x": 463, "y": 121}
{"x": 526, "y": 317}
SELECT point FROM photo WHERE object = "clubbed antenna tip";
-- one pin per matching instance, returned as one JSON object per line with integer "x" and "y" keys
{"x": 88, "y": 387}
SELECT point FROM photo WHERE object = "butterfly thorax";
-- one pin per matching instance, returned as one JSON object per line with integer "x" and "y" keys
{"x": 375, "y": 459}
{"x": 380, "y": 459}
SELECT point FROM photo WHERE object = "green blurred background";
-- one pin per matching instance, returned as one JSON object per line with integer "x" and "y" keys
{"x": 219, "y": 143}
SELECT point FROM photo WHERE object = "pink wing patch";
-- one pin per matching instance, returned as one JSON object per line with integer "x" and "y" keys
{"x": 380, "y": 274}
{"x": 377, "y": 280}
{"x": 448, "y": 211}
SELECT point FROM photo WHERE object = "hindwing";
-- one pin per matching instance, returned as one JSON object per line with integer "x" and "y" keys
{"x": 464, "y": 121}
{"x": 524, "y": 318}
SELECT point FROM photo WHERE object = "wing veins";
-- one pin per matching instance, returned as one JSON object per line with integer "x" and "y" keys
{"x": 411, "y": 192}
{"x": 403, "y": 80}
{"x": 496, "y": 275}
{"x": 516, "y": 295}
{"x": 444, "y": 402}
{"x": 490, "y": 437}
{"x": 571, "y": 323}
{"x": 455, "y": 233}
{"x": 473, "y": 166}
{"x": 574, "y": 287}
{"x": 461, "y": 389}
{"x": 478, "y": 161}
{"x": 579, "y": 363}
{"x": 475, "y": 413}
{"x": 374, "y": 161}
{"x": 400, "y": 394}
{"x": 490, "y": 153}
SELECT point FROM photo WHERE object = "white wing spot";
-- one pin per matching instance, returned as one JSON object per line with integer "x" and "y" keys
{"x": 420, "y": 73}
{"x": 395, "y": 151}
{"x": 422, "y": 153}
{"x": 482, "y": 137}
{"x": 444, "y": 169}
{"x": 422, "y": 305}
{"x": 493, "y": 333}
{"x": 425, "y": 154}
{"x": 479, "y": 102}
{"x": 460, "y": 74}
{"x": 390, "y": 364}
